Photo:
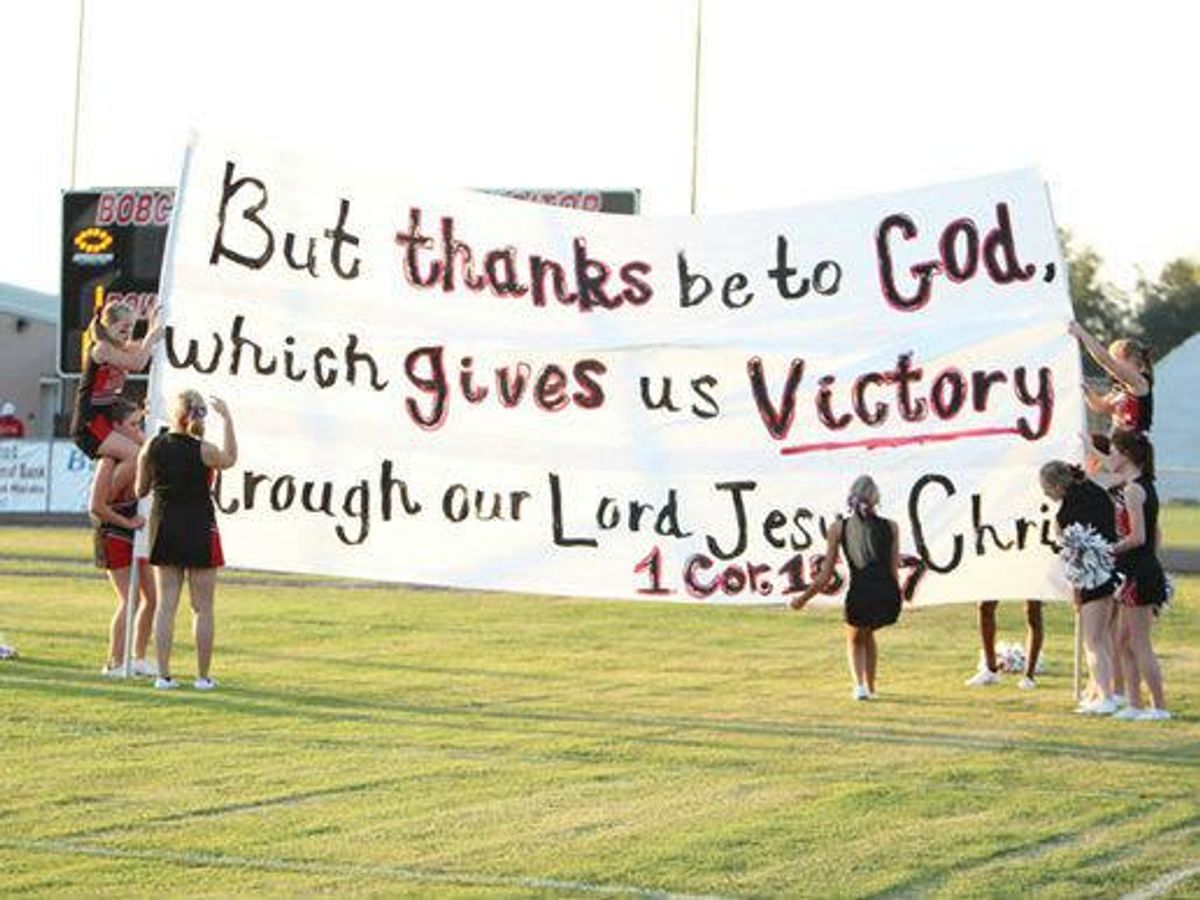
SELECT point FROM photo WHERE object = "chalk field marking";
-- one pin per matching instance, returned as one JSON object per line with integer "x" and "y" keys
{"x": 1160, "y": 886}
{"x": 316, "y": 867}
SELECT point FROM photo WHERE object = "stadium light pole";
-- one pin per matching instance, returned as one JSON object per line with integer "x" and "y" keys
{"x": 695, "y": 108}
{"x": 78, "y": 94}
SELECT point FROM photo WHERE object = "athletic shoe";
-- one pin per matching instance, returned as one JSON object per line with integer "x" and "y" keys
{"x": 144, "y": 667}
{"x": 1121, "y": 700}
{"x": 1128, "y": 714}
{"x": 861, "y": 693}
{"x": 982, "y": 678}
{"x": 7, "y": 652}
{"x": 1151, "y": 714}
{"x": 165, "y": 684}
{"x": 1104, "y": 707}
{"x": 1026, "y": 683}
{"x": 204, "y": 684}
{"x": 112, "y": 671}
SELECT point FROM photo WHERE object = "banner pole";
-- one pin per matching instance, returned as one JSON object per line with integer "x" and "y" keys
{"x": 78, "y": 95}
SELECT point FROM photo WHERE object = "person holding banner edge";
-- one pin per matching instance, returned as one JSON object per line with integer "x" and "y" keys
{"x": 872, "y": 547}
{"x": 113, "y": 509}
{"x": 178, "y": 465}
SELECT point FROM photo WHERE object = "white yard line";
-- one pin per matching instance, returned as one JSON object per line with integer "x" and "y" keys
{"x": 358, "y": 870}
{"x": 1160, "y": 886}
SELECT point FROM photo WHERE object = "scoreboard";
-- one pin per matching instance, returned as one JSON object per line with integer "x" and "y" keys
{"x": 112, "y": 248}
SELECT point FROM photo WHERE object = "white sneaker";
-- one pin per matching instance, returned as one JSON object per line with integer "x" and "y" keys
{"x": 204, "y": 684}
{"x": 1104, "y": 707}
{"x": 1121, "y": 700}
{"x": 861, "y": 692}
{"x": 982, "y": 678}
{"x": 1026, "y": 683}
{"x": 165, "y": 684}
{"x": 1151, "y": 714}
{"x": 112, "y": 671}
{"x": 144, "y": 667}
{"x": 1128, "y": 714}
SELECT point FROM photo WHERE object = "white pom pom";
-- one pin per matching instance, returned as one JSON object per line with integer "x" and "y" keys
{"x": 1010, "y": 658}
{"x": 1086, "y": 556}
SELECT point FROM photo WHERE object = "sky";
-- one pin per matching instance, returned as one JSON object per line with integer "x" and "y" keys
{"x": 799, "y": 102}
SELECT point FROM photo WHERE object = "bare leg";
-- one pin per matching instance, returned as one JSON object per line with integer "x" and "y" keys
{"x": 1093, "y": 618}
{"x": 1035, "y": 637}
{"x": 169, "y": 581}
{"x": 145, "y": 612}
{"x": 202, "y": 584}
{"x": 871, "y": 660}
{"x": 856, "y": 655}
{"x": 1114, "y": 643}
{"x": 987, "y": 632}
{"x": 1141, "y": 620}
{"x": 1129, "y": 663}
{"x": 116, "y": 628}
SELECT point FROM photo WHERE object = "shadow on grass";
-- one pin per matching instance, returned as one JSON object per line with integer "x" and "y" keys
{"x": 476, "y": 717}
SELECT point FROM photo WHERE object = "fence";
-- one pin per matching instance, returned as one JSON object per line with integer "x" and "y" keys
{"x": 43, "y": 476}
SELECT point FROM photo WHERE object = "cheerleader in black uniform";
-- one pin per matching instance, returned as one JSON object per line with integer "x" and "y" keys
{"x": 1145, "y": 588}
{"x": 114, "y": 511}
{"x": 111, "y": 355}
{"x": 178, "y": 465}
{"x": 1083, "y": 502}
{"x": 872, "y": 548}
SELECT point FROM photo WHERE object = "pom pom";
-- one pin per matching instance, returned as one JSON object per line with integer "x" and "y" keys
{"x": 1086, "y": 556}
{"x": 1010, "y": 658}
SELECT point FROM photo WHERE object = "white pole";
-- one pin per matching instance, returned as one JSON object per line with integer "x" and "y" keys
{"x": 696, "y": 110}
{"x": 78, "y": 96}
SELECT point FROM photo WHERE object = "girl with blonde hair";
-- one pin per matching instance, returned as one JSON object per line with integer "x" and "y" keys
{"x": 178, "y": 466}
{"x": 872, "y": 548}
{"x": 111, "y": 356}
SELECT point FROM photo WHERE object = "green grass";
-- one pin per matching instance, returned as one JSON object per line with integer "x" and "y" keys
{"x": 1181, "y": 525}
{"x": 393, "y": 742}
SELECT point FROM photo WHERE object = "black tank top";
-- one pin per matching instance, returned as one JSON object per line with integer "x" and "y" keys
{"x": 179, "y": 474}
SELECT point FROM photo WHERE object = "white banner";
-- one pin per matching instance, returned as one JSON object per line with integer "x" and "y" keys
{"x": 450, "y": 388}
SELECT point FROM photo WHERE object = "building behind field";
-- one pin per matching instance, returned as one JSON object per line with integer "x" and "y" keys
{"x": 1176, "y": 428}
{"x": 28, "y": 370}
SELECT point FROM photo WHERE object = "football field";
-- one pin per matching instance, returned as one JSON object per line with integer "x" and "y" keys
{"x": 378, "y": 740}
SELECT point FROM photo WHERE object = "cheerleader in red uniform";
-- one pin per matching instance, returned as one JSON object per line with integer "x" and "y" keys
{"x": 1144, "y": 590}
{"x": 1130, "y": 403}
{"x": 114, "y": 512}
{"x": 111, "y": 356}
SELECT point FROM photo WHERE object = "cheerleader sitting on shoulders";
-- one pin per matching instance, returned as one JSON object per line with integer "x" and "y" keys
{"x": 112, "y": 355}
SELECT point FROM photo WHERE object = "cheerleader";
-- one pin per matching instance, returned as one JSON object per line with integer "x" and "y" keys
{"x": 1145, "y": 588}
{"x": 872, "y": 547}
{"x": 1083, "y": 502}
{"x": 1130, "y": 403}
{"x": 114, "y": 511}
{"x": 178, "y": 465}
{"x": 111, "y": 356}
